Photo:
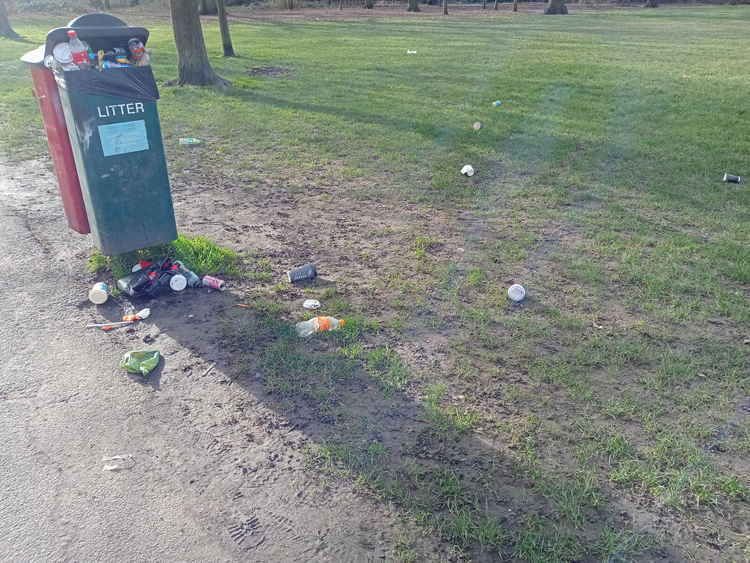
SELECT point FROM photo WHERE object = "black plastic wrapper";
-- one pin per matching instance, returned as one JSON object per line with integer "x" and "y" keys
{"x": 134, "y": 83}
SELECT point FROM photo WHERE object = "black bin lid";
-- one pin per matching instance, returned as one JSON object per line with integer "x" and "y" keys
{"x": 100, "y": 31}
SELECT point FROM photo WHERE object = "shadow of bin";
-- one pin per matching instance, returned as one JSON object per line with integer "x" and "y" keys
{"x": 115, "y": 136}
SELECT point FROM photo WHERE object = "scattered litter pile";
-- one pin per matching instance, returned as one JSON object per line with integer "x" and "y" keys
{"x": 149, "y": 279}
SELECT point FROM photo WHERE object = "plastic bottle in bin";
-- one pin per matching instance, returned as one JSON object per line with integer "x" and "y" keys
{"x": 78, "y": 50}
{"x": 138, "y": 54}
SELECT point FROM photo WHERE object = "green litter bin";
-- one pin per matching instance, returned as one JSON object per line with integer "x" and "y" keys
{"x": 114, "y": 129}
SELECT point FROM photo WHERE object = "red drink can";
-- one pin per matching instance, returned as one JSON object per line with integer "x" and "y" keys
{"x": 214, "y": 283}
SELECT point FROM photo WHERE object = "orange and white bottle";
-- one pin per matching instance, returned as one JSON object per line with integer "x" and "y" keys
{"x": 318, "y": 324}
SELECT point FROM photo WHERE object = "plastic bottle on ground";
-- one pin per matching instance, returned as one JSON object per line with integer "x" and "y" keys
{"x": 192, "y": 278}
{"x": 78, "y": 50}
{"x": 318, "y": 324}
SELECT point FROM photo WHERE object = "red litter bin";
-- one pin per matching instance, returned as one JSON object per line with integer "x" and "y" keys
{"x": 46, "y": 93}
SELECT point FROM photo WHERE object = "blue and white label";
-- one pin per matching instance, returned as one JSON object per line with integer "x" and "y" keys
{"x": 123, "y": 138}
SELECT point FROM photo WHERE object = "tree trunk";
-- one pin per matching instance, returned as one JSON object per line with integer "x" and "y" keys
{"x": 341, "y": 4}
{"x": 107, "y": 5}
{"x": 495, "y": 6}
{"x": 413, "y": 6}
{"x": 194, "y": 66}
{"x": 484, "y": 4}
{"x": 208, "y": 7}
{"x": 445, "y": 7}
{"x": 651, "y": 4}
{"x": 226, "y": 39}
{"x": 515, "y": 5}
{"x": 5, "y": 29}
{"x": 556, "y": 7}
{"x": 369, "y": 4}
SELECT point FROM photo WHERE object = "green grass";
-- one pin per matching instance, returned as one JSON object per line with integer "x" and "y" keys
{"x": 199, "y": 254}
{"x": 523, "y": 430}
{"x": 447, "y": 419}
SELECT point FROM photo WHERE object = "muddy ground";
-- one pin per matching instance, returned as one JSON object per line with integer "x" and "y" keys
{"x": 225, "y": 470}
{"x": 219, "y": 472}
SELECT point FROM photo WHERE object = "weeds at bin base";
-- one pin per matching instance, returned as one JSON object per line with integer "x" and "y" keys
{"x": 198, "y": 253}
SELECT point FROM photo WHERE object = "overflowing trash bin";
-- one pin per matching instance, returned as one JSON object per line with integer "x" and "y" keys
{"x": 108, "y": 102}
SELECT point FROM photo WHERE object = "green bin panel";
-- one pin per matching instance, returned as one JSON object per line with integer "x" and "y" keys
{"x": 120, "y": 159}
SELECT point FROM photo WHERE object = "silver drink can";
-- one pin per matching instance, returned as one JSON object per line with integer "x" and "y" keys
{"x": 731, "y": 178}
{"x": 306, "y": 272}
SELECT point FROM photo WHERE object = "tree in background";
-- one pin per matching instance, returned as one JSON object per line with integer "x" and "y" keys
{"x": 515, "y": 5}
{"x": 484, "y": 4}
{"x": 226, "y": 39}
{"x": 194, "y": 66}
{"x": 208, "y": 8}
{"x": 445, "y": 7}
{"x": 5, "y": 29}
{"x": 369, "y": 4}
{"x": 413, "y": 6}
{"x": 556, "y": 7}
{"x": 651, "y": 4}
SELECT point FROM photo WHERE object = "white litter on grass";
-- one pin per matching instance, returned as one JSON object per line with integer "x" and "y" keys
{"x": 516, "y": 292}
{"x": 467, "y": 170}
{"x": 311, "y": 304}
{"x": 121, "y": 462}
{"x": 411, "y": 52}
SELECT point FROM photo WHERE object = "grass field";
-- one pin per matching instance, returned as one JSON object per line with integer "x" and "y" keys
{"x": 605, "y": 418}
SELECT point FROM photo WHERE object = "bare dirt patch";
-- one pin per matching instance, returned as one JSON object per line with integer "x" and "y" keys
{"x": 410, "y": 267}
{"x": 273, "y": 71}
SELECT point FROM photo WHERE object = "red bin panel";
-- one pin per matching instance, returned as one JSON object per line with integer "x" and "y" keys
{"x": 45, "y": 90}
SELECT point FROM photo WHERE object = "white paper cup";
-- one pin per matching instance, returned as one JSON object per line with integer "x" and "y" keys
{"x": 516, "y": 292}
{"x": 178, "y": 282}
{"x": 99, "y": 294}
{"x": 311, "y": 304}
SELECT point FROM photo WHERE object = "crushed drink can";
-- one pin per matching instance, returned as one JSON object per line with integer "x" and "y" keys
{"x": 214, "y": 283}
{"x": 732, "y": 179}
{"x": 306, "y": 272}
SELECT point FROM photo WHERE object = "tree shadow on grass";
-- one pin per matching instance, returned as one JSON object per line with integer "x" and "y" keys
{"x": 17, "y": 39}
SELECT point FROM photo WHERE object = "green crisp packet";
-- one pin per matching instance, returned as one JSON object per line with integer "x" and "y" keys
{"x": 140, "y": 361}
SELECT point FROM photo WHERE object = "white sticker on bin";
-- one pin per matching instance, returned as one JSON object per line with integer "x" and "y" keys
{"x": 123, "y": 138}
